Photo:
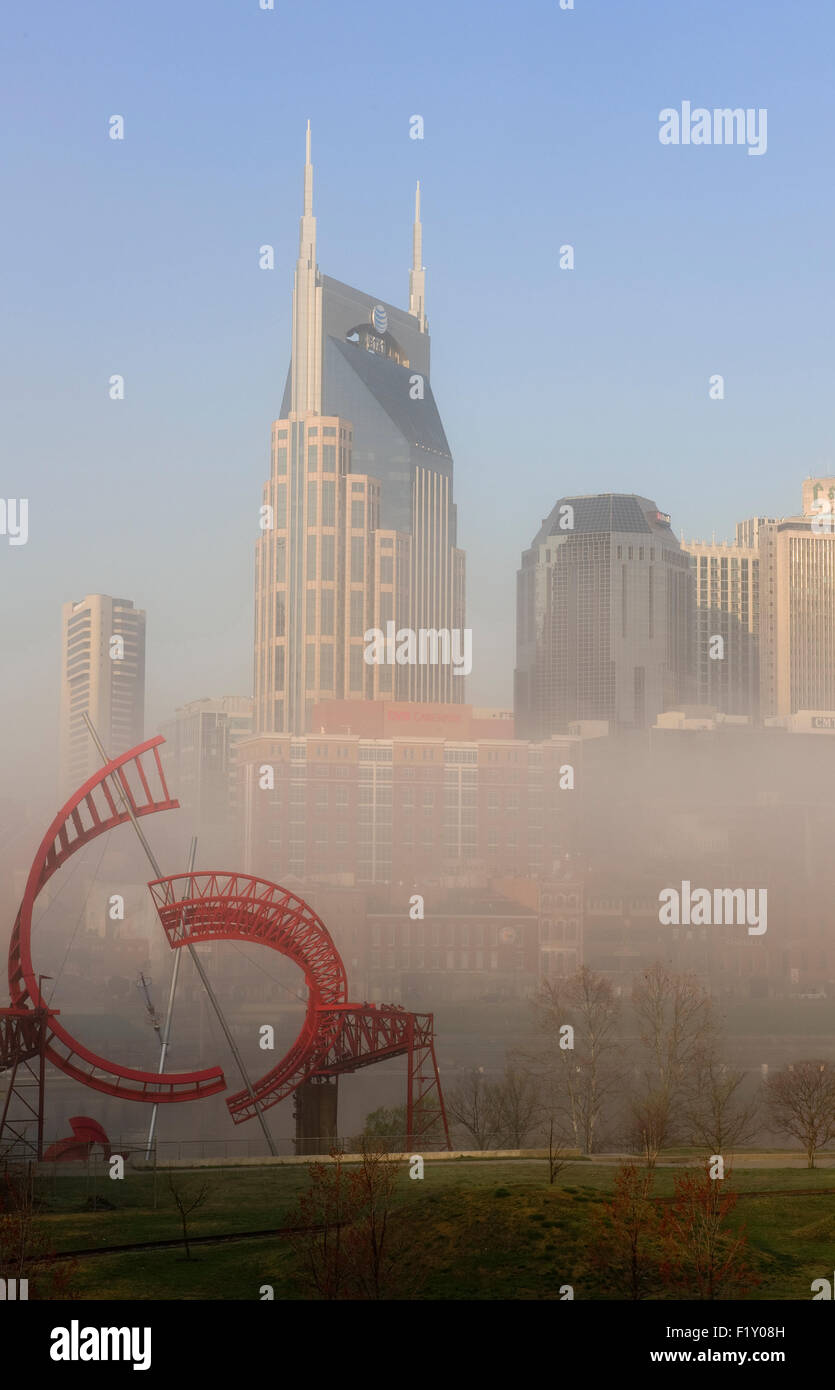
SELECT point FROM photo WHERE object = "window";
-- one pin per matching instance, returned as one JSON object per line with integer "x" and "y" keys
{"x": 326, "y": 665}
{"x": 358, "y": 558}
{"x": 281, "y": 459}
{"x": 311, "y": 557}
{"x": 328, "y": 504}
{"x": 313, "y": 458}
{"x": 310, "y": 629}
{"x": 329, "y": 430}
{"x": 328, "y": 458}
{"x": 358, "y": 514}
{"x": 327, "y": 557}
{"x": 356, "y": 668}
{"x": 386, "y": 570}
{"x": 357, "y": 612}
{"x": 326, "y": 612}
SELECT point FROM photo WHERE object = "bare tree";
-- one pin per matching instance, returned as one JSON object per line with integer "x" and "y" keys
{"x": 676, "y": 1025}
{"x": 624, "y": 1248}
{"x": 584, "y": 1077}
{"x": 324, "y": 1211}
{"x": 472, "y": 1104}
{"x": 518, "y": 1106}
{"x": 353, "y": 1240}
{"x": 704, "y": 1255}
{"x": 187, "y": 1196}
{"x": 377, "y": 1242}
{"x": 558, "y": 1158}
{"x": 801, "y": 1102}
{"x": 24, "y": 1247}
{"x": 715, "y": 1111}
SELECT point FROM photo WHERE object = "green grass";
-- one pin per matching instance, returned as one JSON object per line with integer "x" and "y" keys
{"x": 492, "y": 1230}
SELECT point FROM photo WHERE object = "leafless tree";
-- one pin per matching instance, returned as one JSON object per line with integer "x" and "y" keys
{"x": 624, "y": 1248}
{"x": 715, "y": 1111}
{"x": 584, "y": 1078}
{"x": 558, "y": 1157}
{"x": 354, "y": 1241}
{"x": 324, "y": 1212}
{"x": 518, "y": 1106}
{"x": 704, "y": 1255}
{"x": 25, "y": 1251}
{"x": 377, "y": 1241}
{"x": 188, "y": 1195}
{"x": 472, "y": 1103}
{"x": 676, "y": 1025}
{"x": 801, "y": 1101}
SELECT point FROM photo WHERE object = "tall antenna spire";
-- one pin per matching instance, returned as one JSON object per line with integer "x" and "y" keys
{"x": 307, "y": 226}
{"x": 308, "y": 177}
{"x": 306, "y": 361}
{"x": 417, "y": 274}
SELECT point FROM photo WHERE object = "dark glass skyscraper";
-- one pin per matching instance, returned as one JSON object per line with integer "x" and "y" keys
{"x": 603, "y": 622}
{"x": 359, "y": 523}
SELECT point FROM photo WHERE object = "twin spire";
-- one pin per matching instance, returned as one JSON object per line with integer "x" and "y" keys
{"x": 417, "y": 274}
{"x": 307, "y": 241}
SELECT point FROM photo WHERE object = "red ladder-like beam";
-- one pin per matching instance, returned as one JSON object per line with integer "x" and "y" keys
{"x": 91, "y": 812}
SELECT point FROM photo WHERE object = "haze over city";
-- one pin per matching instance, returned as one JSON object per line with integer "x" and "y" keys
{"x": 417, "y": 593}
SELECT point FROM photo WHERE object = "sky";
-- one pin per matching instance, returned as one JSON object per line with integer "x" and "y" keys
{"x": 140, "y": 257}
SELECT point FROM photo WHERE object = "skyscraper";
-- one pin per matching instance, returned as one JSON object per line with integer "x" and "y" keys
{"x": 359, "y": 523}
{"x": 102, "y": 673}
{"x": 603, "y": 621}
{"x": 200, "y": 758}
{"x": 727, "y": 577}
{"x": 797, "y": 606}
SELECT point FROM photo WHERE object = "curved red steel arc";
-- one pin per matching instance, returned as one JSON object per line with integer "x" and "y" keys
{"x": 238, "y": 907}
{"x": 90, "y": 812}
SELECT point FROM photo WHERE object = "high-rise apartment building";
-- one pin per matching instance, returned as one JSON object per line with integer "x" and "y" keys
{"x": 726, "y": 635}
{"x": 797, "y": 606}
{"x": 359, "y": 523}
{"x": 102, "y": 674}
{"x": 604, "y": 617}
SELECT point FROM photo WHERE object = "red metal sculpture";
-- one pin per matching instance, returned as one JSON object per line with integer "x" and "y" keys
{"x": 86, "y": 1134}
{"x": 336, "y": 1036}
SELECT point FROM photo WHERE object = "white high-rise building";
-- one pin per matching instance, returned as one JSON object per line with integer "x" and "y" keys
{"x": 102, "y": 674}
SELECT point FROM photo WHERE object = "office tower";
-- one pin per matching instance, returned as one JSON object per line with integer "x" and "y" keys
{"x": 797, "y": 606}
{"x": 359, "y": 523}
{"x": 727, "y": 579}
{"x": 200, "y": 757}
{"x": 102, "y": 673}
{"x": 603, "y": 622}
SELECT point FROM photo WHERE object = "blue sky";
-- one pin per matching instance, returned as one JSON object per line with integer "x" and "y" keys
{"x": 541, "y": 128}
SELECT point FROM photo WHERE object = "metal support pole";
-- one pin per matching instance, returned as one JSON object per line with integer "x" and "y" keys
{"x": 198, "y": 965}
{"x": 178, "y": 955}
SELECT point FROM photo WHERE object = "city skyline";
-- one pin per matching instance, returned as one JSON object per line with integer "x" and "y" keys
{"x": 178, "y": 464}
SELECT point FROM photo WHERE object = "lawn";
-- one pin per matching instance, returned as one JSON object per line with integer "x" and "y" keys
{"x": 488, "y": 1230}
